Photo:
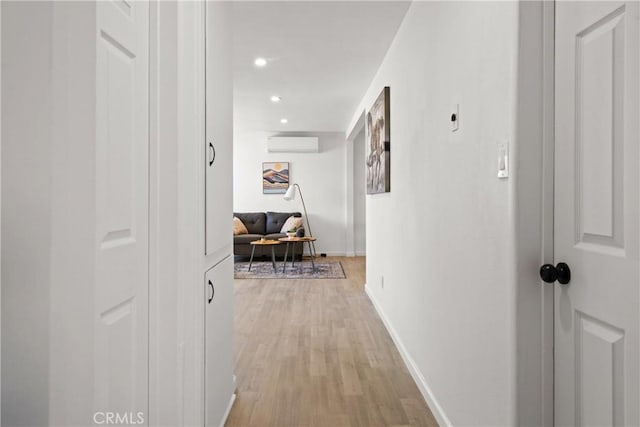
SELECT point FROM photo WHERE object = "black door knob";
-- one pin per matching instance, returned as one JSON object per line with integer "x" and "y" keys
{"x": 561, "y": 273}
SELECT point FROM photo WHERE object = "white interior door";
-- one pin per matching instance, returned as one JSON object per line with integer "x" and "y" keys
{"x": 219, "y": 131}
{"x": 596, "y": 213}
{"x": 122, "y": 193}
{"x": 219, "y": 383}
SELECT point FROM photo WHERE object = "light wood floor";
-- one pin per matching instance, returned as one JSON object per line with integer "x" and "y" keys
{"x": 315, "y": 353}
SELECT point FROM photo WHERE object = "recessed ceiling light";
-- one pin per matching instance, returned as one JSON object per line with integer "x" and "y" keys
{"x": 260, "y": 62}
{"x": 275, "y": 98}
{"x": 284, "y": 121}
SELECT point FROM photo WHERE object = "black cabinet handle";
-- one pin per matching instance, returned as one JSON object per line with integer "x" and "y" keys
{"x": 213, "y": 291}
{"x": 212, "y": 154}
{"x": 561, "y": 273}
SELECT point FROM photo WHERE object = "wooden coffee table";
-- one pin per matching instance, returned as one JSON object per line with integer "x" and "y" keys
{"x": 272, "y": 244}
{"x": 294, "y": 240}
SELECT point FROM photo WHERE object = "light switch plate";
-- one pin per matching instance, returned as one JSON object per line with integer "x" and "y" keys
{"x": 503, "y": 159}
{"x": 455, "y": 117}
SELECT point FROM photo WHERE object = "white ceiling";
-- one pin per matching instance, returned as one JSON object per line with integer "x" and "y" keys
{"x": 322, "y": 56}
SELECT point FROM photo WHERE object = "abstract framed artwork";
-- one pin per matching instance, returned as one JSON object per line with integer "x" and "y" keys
{"x": 378, "y": 142}
{"x": 275, "y": 177}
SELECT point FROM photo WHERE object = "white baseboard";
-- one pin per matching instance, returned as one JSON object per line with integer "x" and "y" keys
{"x": 427, "y": 394}
{"x": 356, "y": 253}
{"x": 229, "y": 406}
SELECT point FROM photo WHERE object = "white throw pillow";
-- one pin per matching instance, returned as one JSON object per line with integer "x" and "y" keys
{"x": 292, "y": 223}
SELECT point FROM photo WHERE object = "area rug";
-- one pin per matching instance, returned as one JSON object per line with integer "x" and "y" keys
{"x": 302, "y": 270}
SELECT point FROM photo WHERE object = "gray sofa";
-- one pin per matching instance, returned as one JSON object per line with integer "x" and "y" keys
{"x": 261, "y": 224}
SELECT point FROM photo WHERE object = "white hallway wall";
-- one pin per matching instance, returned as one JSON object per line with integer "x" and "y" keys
{"x": 450, "y": 283}
{"x": 322, "y": 177}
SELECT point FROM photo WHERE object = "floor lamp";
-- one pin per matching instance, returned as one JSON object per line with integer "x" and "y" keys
{"x": 290, "y": 195}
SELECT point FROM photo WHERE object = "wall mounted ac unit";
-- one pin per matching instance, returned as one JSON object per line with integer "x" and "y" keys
{"x": 292, "y": 144}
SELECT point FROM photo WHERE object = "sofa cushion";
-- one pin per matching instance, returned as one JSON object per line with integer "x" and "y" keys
{"x": 275, "y": 236}
{"x": 239, "y": 227}
{"x": 292, "y": 223}
{"x": 246, "y": 238}
{"x": 275, "y": 220}
{"x": 254, "y": 221}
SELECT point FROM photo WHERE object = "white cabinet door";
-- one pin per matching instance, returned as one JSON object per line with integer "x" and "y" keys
{"x": 122, "y": 209}
{"x": 219, "y": 130}
{"x": 218, "y": 331}
{"x": 596, "y": 213}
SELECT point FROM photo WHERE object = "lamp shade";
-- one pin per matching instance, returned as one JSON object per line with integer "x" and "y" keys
{"x": 291, "y": 193}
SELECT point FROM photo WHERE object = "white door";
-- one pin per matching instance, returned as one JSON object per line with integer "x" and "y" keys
{"x": 596, "y": 213}
{"x": 219, "y": 131}
{"x": 218, "y": 332}
{"x": 122, "y": 192}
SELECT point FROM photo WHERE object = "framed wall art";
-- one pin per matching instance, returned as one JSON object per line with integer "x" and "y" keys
{"x": 275, "y": 177}
{"x": 378, "y": 142}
